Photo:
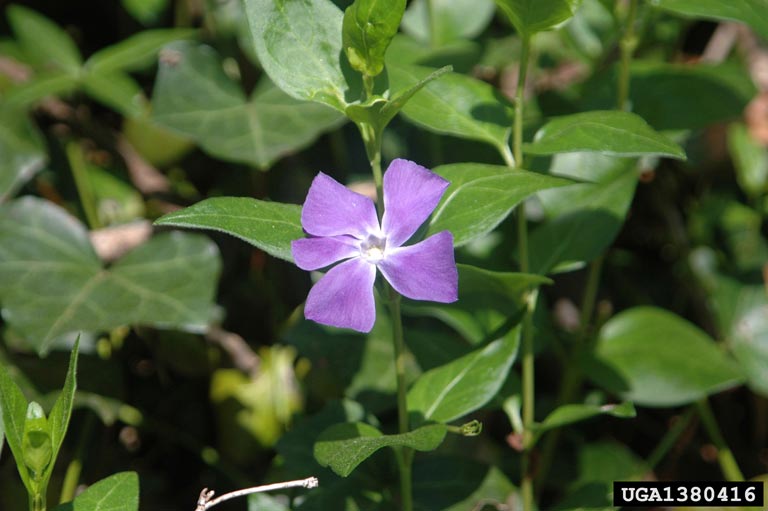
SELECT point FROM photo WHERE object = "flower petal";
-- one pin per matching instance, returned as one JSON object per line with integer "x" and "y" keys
{"x": 424, "y": 271}
{"x": 331, "y": 209}
{"x": 411, "y": 193}
{"x": 344, "y": 297}
{"x": 315, "y": 253}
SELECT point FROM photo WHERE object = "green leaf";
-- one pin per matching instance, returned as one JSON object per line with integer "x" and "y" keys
{"x": 58, "y": 420}
{"x": 610, "y": 132}
{"x": 136, "y": 52}
{"x": 531, "y": 16}
{"x": 487, "y": 301}
{"x": 448, "y": 20}
{"x": 456, "y": 105}
{"x": 14, "y": 414}
{"x": 481, "y": 196}
{"x": 116, "y": 90}
{"x": 270, "y": 226}
{"x": 568, "y": 414}
{"x": 23, "y": 152}
{"x": 586, "y": 217}
{"x": 36, "y": 446}
{"x": 118, "y": 492}
{"x": 52, "y": 283}
{"x": 146, "y": 12}
{"x": 344, "y": 446}
{"x": 56, "y": 83}
{"x": 46, "y": 44}
{"x": 462, "y": 386}
{"x": 752, "y": 12}
{"x": 657, "y": 359}
{"x": 750, "y": 160}
{"x": 194, "y": 97}
{"x": 265, "y": 502}
{"x": 367, "y": 30}
{"x": 299, "y": 44}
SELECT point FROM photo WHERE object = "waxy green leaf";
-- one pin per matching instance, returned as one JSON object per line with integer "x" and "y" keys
{"x": 657, "y": 359}
{"x": 750, "y": 160}
{"x": 456, "y": 105}
{"x": 137, "y": 51}
{"x": 14, "y": 414}
{"x": 194, "y": 97}
{"x": 52, "y": 283}
{"x": 462, "y": 386}
{"x": 45, "y": 44}
{"x": 568, "y": 414}
{"x": 531, "y": 16}
{"x": 118, "y": 492}
{"x": 367, "y": 30}
{"x": 609, "y": 132}
{"x": 481, "y": 196}
{"x": 752, "y": 12}
{"x": 299, "y": 44}
{"x": 23, "y": 152}
{"x": 446, "y": 21}
{"x": 584, "y": 218}
{"x": 270, "y": 226}
{"x": 58, "y": 420}
{"x": 344, "y": 446}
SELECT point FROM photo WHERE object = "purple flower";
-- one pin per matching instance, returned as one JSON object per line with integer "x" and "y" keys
{"x": 343, "y": 226}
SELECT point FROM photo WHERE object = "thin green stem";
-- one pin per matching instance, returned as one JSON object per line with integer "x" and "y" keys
{"x": 517, "y": 140}
{"x": 725, "y": 458}
{"x": 627, "y": 45}
{"x": 669, "y": 439}
{"x": 37, "y": 500}
{"x": 75, "y": 467}
{"x": 83, "y": 184}
{"x": 431, "y": 16}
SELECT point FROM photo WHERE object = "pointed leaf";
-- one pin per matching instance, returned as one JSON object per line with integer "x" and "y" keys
{"x": 137, "y": 51}
{"x": 270, "y": 226}
{"x": 752, "y": 12}
{"x": 61, "y": 412}
{"x": 52, "y": 283}
{"x": 455, "y": 104}
{"x": 568, "y": 414}
{"x": 46, "y": 44}
{"x": 23, "y": 152}
{"x": 531, "y": 16}
{"x": 658, "y": 359}
{"x": 55, "y": 83}
{"x": 145, "y": 12}
{"x": 451, "y": 20}
{"x": 118, "y": 492}
{"x": 460, "y": 387}
{"x": 368, "y": 28}
{"x": 299, "y": 45}
{"x": 609, "y": 132}
{"x": 481, "y": 196}
{"x": 14, "y": 414}
{"x": 344, "y": 446}
{"x": 750, "y": 159}
{"x": 116, "y": 90}
{"x": 194, "y": 97}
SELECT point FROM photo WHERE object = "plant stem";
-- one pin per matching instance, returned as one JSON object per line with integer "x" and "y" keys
{"x": 628, "y": 44}
{"x": 517, "y": 140}
{"x": 432, "y": 23}
{"x": 83, "y": 184}
{"x": 37, "y": 501}
{"x": 669, "y": 439}
{"x": 725, "y": 458}
{"x": 75, "y": 467}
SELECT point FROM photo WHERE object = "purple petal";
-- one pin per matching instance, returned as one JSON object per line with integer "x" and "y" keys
{"x": 315, "y": 253}
{"x": 344, "y": 297}
{"x": 331, "y": 209}
{"x": 411, "y": 193}
{"x": 424, "y": 271}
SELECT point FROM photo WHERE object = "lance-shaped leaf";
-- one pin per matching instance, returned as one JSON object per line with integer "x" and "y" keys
{"x": 658, "y": 359}
{"x": 58, "y": 420}
{"x": 344, "y": 446}
{"x": 270, "y": 226}
{"x": 752, "y": 12}
{"x": 367, "y": 30}
{"x": 531, "y": 16}
{"x": 118, "y": 492}
{"x": 609, "y": 132}
{"x": 22, "y": 148}
{"x": 194, "y": 97}
{"x": 52, "y": 283}
{"x": 440, "y": 22}
{"x": 462, "y": 386}
{"x": 137, "y": 51}
{"x": 14, "y": 413}
{"x": 456, "y": 105}
{"x": 568, "y": 414}
{"x": 481, "y": 196}
{"x": 43, "y": 42}
{"x": 299, "y": 44}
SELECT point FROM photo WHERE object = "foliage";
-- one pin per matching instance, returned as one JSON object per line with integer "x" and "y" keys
{"x": 607, "y": 195}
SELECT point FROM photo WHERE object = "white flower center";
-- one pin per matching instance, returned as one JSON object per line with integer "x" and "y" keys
{"x": 373, "y": 247}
